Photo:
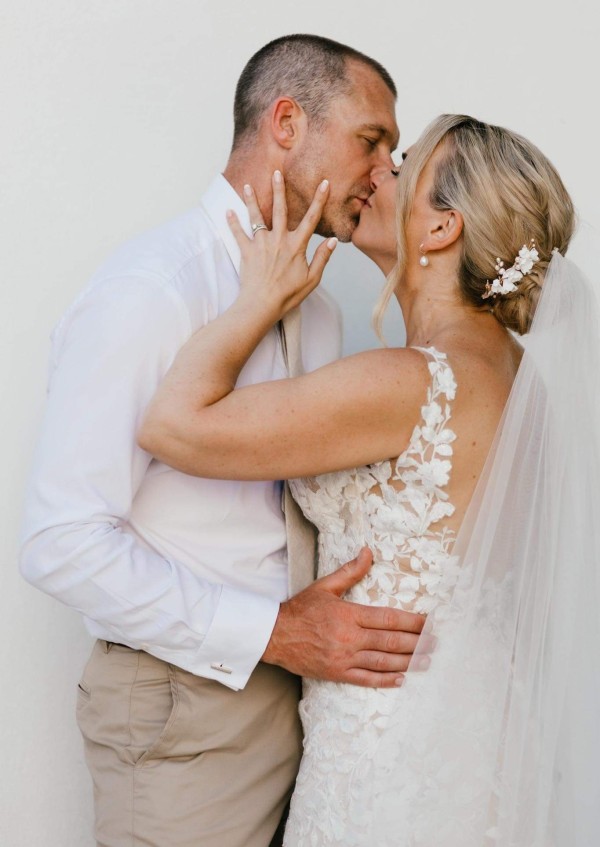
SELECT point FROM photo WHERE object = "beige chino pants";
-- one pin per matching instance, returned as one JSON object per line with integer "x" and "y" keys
{"x": 181, "y": 761}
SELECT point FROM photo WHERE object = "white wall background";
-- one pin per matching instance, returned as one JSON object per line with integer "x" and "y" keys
{"x": 115, "y": 114}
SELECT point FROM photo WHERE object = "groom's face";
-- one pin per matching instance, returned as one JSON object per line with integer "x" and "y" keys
{"x": 356, "y": 142}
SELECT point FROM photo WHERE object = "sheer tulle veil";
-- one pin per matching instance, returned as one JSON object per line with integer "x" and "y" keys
{"x": 500, "y": 743}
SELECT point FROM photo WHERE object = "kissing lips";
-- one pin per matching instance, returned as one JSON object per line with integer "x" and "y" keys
{"x": 363, "y": 202}
{"x": 366, "y": 204}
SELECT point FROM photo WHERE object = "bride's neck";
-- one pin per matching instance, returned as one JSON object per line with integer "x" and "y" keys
{"x": 432, "y": 308}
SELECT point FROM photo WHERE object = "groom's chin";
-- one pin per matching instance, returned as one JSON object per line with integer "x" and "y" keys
{"x": 342, "y": 229}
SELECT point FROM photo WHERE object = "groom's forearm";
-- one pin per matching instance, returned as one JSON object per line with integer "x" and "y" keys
{"x": 77, "y": 545}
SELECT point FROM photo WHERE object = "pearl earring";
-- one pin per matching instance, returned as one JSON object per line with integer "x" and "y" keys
{"x": 423, "y": 261}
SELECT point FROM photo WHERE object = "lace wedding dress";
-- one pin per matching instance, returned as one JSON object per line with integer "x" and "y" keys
{"x": 398, "y": 509}
{"x": 497, "y": 743}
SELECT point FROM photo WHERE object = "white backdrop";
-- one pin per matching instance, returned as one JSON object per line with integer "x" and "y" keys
{"x": 115, "y": 114}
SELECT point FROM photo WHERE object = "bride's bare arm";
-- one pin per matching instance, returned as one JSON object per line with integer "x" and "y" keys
{"x": 356, "y": 411}
{"x": 344, "y": 414}
{"x": 353, "y": 412}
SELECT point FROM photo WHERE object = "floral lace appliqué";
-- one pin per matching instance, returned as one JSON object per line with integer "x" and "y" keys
{"x": 397, "y": 508}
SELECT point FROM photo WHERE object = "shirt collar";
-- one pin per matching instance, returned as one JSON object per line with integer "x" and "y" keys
{"x": 216, "y": 200}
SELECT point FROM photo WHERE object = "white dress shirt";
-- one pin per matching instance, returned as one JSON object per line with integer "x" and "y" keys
{"x": 191, "y": 570}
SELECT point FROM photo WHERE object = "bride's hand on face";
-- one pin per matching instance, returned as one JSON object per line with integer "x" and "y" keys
{"x": 274, "y": 269}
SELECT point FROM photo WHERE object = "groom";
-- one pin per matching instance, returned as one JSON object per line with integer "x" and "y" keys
{"x": 188, "y": 703}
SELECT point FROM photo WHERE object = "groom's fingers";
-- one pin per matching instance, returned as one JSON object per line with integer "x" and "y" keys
{"x": 392, "y": 642}
{"x": 371, "y": 679}
{"x": 372, "y": 660}
{"x": 377, "y": 617}
{"x": 347, "y": 575}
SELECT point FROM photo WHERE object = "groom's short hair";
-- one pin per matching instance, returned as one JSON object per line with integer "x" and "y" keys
{"x": 309, "y": 68}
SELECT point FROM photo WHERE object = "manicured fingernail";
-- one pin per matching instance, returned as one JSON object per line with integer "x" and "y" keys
{"x": 324, "y": 185}
{"x": 400, "y": 681}
{"x": 248, "y": 190}
{"x": 277, "y": 176}
{"x": 332, "y": 243}
{"x": 229, "y": 214}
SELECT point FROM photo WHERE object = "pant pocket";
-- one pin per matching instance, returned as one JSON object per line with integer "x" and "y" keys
{"x": 125, "y": 702}
{"x": 83, "y": 690}
{"x": 153, "y": 713}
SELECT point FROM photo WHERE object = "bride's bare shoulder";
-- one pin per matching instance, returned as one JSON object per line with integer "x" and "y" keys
{"x": 404, "y": 366}
{"x": 391, "y": 380}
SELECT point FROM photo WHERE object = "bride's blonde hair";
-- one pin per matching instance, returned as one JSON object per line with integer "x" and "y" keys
{"x": 508, "y": 193}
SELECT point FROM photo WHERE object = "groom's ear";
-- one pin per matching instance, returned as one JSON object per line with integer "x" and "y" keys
{"x": 288, "y": 122}
{"x": 446, "y": 228}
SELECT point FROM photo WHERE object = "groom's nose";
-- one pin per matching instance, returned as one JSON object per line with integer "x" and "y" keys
{"x": 382, "y": 163}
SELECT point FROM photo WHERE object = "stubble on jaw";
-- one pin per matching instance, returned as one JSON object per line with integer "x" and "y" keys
{"x": 301, "y": 179}
{"x": 338, "y": 219}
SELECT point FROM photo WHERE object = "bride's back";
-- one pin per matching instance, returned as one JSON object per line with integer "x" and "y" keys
{"x": 408, "y": 508}
{"x": 484, "y": 376}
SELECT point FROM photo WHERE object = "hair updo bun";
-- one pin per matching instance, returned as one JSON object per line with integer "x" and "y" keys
{"x": 508, "y": 194}
{"x": 516, "y": 310}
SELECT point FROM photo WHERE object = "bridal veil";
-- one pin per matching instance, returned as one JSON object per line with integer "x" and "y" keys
{"x": 500, "y": 743}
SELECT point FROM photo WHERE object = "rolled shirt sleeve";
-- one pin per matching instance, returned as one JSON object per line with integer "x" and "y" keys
{"x": 109, "y": 355}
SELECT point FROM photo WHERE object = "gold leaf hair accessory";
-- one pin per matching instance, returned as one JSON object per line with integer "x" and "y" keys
{"x": 508, "y": 278}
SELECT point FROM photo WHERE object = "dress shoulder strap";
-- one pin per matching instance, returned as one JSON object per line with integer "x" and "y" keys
{"x": 427, "y": 462}
{"x": 443, "y": 382}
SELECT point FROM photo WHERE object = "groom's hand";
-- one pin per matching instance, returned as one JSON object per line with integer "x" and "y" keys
{"x": 319, "y": 635}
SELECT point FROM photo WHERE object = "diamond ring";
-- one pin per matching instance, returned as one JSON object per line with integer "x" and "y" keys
{"x": 256, "y": 227}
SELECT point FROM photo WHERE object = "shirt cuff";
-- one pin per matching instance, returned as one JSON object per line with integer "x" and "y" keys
{"x": 237, "y": 637}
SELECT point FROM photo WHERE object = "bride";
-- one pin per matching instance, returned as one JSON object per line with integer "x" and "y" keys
{"x": 470, "y": 467}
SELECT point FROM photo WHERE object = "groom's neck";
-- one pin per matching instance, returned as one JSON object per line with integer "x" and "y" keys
{"x": 255, "y": 168}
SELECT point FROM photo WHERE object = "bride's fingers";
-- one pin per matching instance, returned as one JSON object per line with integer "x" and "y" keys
{"x": 252, "y": 206}
{"x": 315, "y": 271}
{"x": 310, "y": 220}
{"x": 279, "y": 203}
{"x": 319, "y": 260}
{"x": 237, "y": 229}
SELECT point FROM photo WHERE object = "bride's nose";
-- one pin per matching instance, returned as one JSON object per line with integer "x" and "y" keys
{"x": 379, "y": 175}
